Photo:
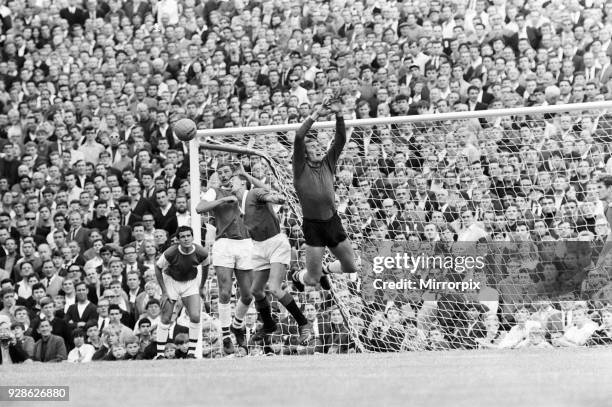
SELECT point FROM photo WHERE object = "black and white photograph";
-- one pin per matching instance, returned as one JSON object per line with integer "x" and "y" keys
{"x": 306, "y": 203}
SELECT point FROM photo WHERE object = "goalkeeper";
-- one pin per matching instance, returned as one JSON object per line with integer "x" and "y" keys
{"x": 314, "y": 171}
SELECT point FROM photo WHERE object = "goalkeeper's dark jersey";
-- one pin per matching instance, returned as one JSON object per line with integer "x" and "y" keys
{"x": 314, "y": 185}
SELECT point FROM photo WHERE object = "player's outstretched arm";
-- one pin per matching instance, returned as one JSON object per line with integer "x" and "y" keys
{"x": 207, "y": 206}
{"x": 254, "y": 181}
{"x": 264, "y": 195}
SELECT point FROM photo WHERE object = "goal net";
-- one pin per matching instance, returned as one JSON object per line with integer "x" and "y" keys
{"x": 481, "y": 229}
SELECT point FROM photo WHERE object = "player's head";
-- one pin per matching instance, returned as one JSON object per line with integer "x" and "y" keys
{"x": 185, "y": 236}
{"x": 315, "y": 150}
{"x": 224, "y": 171}
{"x": 239, "y": 183}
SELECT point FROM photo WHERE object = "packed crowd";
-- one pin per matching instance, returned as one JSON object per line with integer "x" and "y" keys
{"x": 93, "y": 180}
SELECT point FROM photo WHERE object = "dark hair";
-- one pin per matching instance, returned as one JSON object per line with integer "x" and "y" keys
{"x": 184, "y": 229}
{"x": 78, "y": 333}
{"x": 124, "y": 199}
{"x": 79, "y": 284}
{"x": 38, "y": 286}
{"x": 144, "y": 321}
{"x": 112, "y": 307}
{"x": 153, "y": 301}
{"x": 606, "y": 180}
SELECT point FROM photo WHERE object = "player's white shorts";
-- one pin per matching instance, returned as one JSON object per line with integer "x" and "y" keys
{"x": 232, "y": 253}
{"x": 181, "y": 289}
{"x": 273, "y": 250}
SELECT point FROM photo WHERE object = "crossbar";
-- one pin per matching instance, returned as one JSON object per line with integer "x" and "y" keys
{"x": 475, "y": 114}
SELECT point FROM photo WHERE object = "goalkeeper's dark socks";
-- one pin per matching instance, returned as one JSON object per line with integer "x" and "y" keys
{"x": 263, "y": 307}
{"x": 289, "y": 303}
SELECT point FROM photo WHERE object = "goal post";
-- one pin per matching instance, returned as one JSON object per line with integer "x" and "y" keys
{"x": 511, "y": 189}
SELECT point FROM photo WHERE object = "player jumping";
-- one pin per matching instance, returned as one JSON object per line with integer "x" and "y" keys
{"x": 181, "y": 271}
{"x": 271, "y": 252}
{"x": 314, "y": 171}
{"x": 231, "y": 255}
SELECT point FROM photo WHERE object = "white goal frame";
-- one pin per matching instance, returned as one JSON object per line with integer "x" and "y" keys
{"x": 203, "y": 135}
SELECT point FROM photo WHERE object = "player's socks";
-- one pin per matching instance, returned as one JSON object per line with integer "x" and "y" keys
{"x": 225, "y": 332}
{"x": 263, "y": 307}
{"x": 240, "y": 313}
{"x": 325, "y": 282}
{"x": 225, "y": 318}
{"x": 295, "y": 279}
{"x": 289, "y": 302}
{"x": 162, "y": 338}
{"x": 194, "y": 333}
{"x": 237, "y": 322}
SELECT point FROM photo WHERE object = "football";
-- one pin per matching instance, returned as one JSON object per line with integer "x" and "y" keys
{"x": 185, "y": 129}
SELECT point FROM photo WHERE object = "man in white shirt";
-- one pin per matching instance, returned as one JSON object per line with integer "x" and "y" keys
{"x": 103, "y": 319}
{"x": 519, "y": 332}
{"x": 580, "y": 331}
{"x": 183, "y": 217}
{"x": 297, "y": 90}
{"x": 82, "y": 352}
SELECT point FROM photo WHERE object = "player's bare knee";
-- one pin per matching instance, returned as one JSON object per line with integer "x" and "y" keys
{"x": 257, "y": 292}
{"x": 246, "y": 298}
{"x": 277, "y": 292}
{"x": 194, "y": 317}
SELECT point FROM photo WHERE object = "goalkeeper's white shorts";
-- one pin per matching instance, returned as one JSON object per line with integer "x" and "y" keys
{"x": 273, "y": 250}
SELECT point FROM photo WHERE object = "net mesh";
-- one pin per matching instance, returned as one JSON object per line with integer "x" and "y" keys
{"x": 469, "y": 233}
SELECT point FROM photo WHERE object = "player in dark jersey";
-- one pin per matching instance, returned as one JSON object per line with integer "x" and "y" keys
{"x": 271, "y": 252}
{"x": 181, "y": 272}
{"x": 314, "y": 172}
{"x": 231, "y": 255}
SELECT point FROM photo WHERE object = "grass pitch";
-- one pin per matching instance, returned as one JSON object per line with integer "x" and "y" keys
{"x": 556, "y": 378}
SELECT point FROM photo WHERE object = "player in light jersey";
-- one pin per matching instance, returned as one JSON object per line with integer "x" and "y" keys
{"x": 181, "y": 271}
{"x": 271, "y": 252}
{"x": 314, "y": 171}
{"x": 231, "y": 255}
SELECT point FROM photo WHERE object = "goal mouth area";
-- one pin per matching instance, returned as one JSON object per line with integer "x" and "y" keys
{"x": 555, "y": 140}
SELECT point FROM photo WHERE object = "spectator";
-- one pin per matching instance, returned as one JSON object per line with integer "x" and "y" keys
{"x": 82, "y": 352}
{"x": 535, "y": 339}
{"x": 9, "y": 303}
{"x": 603, "y": 335}
{"x": 58, "y": 326}
{"x": 49, "y": 348}
{"x": 581, "y": 330}
{"x": 82, "y": 312}
{"x": 25, "y": 341}
{"x": 115, "y": 313}
{"x": 10, "y": 349}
